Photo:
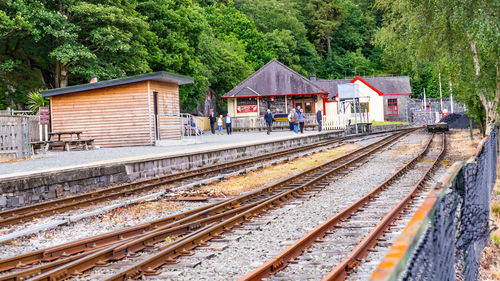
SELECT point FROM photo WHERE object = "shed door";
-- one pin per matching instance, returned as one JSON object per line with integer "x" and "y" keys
{"x": 155, "y": 101}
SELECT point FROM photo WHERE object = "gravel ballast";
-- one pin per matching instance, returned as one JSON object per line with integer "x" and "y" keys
{"x": 282, "y": 227}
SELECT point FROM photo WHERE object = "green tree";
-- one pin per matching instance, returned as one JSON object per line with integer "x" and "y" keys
{"x": 35, "y": 101}
{"x": 185, "y": 43}
{"x": 459, "y": 37}
{"x": 284, "y": 32}
{"x": 324, "y": 17}
{"x": 83, "y": 38}
{"x": 231, "y": 25}
{"x": 178, "y": 26}
{"x": 224, "y": 66}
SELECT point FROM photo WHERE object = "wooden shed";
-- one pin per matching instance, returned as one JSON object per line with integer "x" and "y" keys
{"x": 135, "y": 110}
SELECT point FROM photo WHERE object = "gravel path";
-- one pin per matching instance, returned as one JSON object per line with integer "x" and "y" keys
{"x": 241, "y": 254}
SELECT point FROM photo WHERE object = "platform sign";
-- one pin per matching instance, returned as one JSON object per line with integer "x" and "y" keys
{"x": 348, "y": 91}
{"x": 246, "y": 108}
{"x": 44, "y": 115}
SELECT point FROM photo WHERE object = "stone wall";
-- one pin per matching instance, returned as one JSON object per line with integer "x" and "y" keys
{"x": 402, "y": 115}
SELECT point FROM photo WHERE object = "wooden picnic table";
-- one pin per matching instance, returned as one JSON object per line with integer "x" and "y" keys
{"x": 71, "y": 133}
{"x": 78, "y": 142}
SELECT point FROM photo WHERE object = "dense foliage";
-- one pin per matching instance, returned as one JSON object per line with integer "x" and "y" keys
{"x": 459, "y": 38}
{"x": 55, "y": 43}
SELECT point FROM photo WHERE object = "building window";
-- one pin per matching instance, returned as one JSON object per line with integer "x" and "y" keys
{"x": 247, "y": 101}
{"x": 392, "y": 106}
{"x": 246, "y": 105}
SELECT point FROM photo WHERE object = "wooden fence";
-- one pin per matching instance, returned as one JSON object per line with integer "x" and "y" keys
{"x": 15, "y": 137}
{"x": 330, "y": 122}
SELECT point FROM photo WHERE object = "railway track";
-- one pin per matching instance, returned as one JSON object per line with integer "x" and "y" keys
{"x": 345, "y": 239}
{"x": 27, "y": 213}
{"x": 195, "y": 228}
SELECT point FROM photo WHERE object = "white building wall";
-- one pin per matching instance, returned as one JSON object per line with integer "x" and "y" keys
{"x": 376, "y": 102}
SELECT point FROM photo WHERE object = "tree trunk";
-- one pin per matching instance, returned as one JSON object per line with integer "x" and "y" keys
{"x": 329, "y": 44}
{"x": 209, "y": 102}
{"x": 57, "y": 75}
{"x": 64, "y": 75}
{"x": 61, "y": 75}
{"x": 489, "y": 106}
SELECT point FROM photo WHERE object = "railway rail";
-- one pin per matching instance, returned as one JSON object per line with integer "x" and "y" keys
{"x": 195, "y": 227}
{"x": 365, "y": 221}
{"x": 27, "y": 213}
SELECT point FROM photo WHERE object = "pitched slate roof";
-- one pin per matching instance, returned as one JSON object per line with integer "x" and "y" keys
{"x": 162, "y": 76}
{"x": 274, "y": 79}
{"x": 391, "y": 85}
{"x": 384, "y": 85}
{"x": 331, "y": 85}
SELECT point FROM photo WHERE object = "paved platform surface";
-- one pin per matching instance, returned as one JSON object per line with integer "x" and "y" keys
{"x": 55, "y": 160}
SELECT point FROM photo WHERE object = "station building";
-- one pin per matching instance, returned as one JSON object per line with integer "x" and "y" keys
{"x": 136, "y": 110}
{"x": 277, "y": 87}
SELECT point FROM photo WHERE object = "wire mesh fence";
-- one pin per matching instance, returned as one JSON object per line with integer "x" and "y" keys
{"x": 451, "y": 247}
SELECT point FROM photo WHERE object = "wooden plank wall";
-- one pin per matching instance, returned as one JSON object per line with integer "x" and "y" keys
{"x": 168, "y": 109}
{"x": 113, "y": 116}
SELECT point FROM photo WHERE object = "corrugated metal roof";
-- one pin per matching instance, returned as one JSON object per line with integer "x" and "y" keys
{"x": 163, "y": 76}
{"x": 275, "y": 79}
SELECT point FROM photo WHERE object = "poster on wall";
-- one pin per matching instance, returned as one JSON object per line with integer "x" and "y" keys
{"x": 44, "y": 115}
{"x": 246, "y": 108}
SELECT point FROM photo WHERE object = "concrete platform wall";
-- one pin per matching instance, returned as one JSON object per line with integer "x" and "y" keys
{"x": 28, "y": 189}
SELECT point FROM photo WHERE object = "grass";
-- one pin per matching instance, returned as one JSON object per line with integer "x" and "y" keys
{"x": 375, "y": 123}
{"x": 495, "y": 208}
{"x": 254, "y": 179}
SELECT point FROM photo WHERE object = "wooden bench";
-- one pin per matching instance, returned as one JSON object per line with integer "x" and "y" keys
{"x": 67, "y": 144}
{"x": 41, "y": 145}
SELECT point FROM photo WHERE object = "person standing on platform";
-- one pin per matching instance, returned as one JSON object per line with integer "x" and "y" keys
{"x": 269, "y": 121}
{"x": 319, "y": 118}
{"x": 290, "y": 118}
{"x": 219, "y": 125}
{"x": 296, "y": 115}
{"x": 229, "y": 122}
{"x": 212, "y": 119}
{"x": 302, "y": 120}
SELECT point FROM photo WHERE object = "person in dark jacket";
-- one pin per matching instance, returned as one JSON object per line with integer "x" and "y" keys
{"x": 229, "y": 122}
{"x": 212, "y": 119}
{"x": 302, "y": 120}
{"x": 269, "y": 121}
{"x": 319, "y": 118}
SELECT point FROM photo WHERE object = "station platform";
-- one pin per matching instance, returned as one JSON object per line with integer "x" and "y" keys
{"x": 59, "y": 160}
{"x": 60, "y": 173}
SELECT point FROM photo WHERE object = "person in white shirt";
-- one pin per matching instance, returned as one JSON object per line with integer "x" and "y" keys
{"x": 229, "y": 122}
{"x": 219, "y": 125}
{"x": 290, "y": 118}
